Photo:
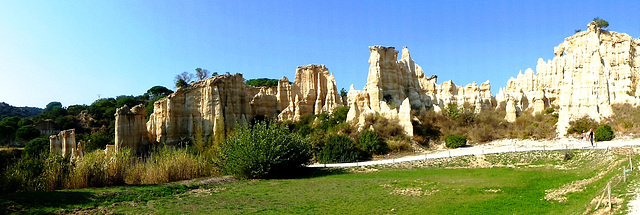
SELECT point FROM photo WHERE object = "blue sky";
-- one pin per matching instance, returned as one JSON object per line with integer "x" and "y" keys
{"x": 77, "y": 51}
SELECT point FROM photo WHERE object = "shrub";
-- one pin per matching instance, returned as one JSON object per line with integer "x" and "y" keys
{"x": 399, "y": 144}
{"x": 581, "y": 125}
{"x": 36, "y": 147}
{"x": 340, "y": 149}
{"x": 603, "y": 133}
{"x": 24, "y": 175}
{"x": 601, "y": 23}
{"x": 262, "y": 151}
{"x": 372, "y": 144}
{"x": 455, "y": 141}
{"x": 425, "y": 132}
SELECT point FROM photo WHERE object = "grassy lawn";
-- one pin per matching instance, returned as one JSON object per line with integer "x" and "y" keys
{"x": 502, "y": 189}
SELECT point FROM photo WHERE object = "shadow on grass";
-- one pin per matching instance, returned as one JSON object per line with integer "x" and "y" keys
{"x": 39, "y": 201}
{"x": 47, "y": 202}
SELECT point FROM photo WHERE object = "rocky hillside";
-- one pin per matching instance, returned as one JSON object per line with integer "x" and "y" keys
{"x": 7, "y": 110}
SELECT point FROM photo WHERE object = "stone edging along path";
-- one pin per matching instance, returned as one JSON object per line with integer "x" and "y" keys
{"x": 500, "y": 146}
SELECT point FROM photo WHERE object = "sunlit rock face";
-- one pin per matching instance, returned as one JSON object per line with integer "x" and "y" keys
{"x": 131, "y": 131}
{"x": 591, "y": 71}
{"x": 313, "y": 91}
{"x": 209, "y": 108}
{"x": 394, "y": 87}
{"x": 206, "y": 107}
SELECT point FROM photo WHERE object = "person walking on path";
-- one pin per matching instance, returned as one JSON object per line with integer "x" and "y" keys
{"x": 591, "y": 136}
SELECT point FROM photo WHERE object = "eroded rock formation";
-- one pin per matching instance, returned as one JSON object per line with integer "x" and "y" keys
{"x": 394, "y": 87}
{"x": 131, "y": 131}
{"x": 211, "y": 107}
{"x": 64, "y": 143}
{"x": 314, "y": 91}
{"x": 591, "y": 71}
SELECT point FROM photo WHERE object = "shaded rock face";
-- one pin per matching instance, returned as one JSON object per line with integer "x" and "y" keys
{"x": 394, "y": 87}
{"x": 591, "y": 71}
{"x": 213, "y": 106}
{"x": 131, "y": 131}
{"x": 64, "y": 143}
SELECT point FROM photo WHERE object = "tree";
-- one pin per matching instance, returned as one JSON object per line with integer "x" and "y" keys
{"x": 126, "y": 100}
{"x": 51, "y": 105}
{"x": 601, "y": 23}
{"x": 343, "y": 93}
{"x": 262, "y": 82}
{"x": 27, "y": 133}
{"x": 36, "y": 147}
{"x": 202, "y": 74}
{"x": 181, "y": 83}
{"x": 183, "y": 79}
{"x": 158, "y": 91}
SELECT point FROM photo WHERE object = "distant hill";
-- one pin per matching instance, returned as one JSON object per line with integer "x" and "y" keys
{"x": 7, "y": 110}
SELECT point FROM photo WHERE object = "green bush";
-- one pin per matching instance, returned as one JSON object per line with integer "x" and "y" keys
{"x": 263, "y": 151}
{"x": 25, "y": 174}
{"x": 371, "y": 144}
{"x": 262, "y": 82}
{"x": 340, "y": 149}
{"x": 36, "y": 147}
{"x": 27, "y": 133}
{"x": 603, "y": 133}
{"x": 455, "y": 141}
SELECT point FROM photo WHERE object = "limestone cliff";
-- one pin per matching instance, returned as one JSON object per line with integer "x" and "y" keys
{"x": 394, "y": 87}
{"x": 314, "y": 91}
{"x": 207, "y": 107}
{"x": 213, "y": 106}
{"x": 591, "y": 71}
{"x": 131, "y": 131}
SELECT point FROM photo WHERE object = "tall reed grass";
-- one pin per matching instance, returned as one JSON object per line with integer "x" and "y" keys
{"x": 97, "y": 169}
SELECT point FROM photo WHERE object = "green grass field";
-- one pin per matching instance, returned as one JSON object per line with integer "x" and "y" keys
{"x": 509, "y": 187}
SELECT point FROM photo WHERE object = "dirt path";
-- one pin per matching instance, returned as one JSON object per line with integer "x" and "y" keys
{"x": 500, "y": 146}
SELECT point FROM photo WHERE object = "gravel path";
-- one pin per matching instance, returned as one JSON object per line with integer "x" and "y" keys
{"x": 500, "y": 146}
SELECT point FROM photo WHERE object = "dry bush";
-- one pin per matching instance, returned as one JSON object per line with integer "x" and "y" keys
{"x": 485, "y": 126}
{"x": 399, "y": 143}
{"x": 384, "y": 128}
{"x": 168, "y": 165}
{"x": 626, "y": 119}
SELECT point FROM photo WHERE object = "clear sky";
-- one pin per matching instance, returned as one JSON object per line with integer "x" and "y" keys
{"x": 78, "y": 51}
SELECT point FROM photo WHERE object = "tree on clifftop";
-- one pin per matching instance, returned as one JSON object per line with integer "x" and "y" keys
{"x": 601, "y": 23}
{"x": 202, "y": 74}
{"x": 183, "y": 79}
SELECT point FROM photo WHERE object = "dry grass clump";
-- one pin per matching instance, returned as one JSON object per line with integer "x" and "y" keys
{"x": 399, "y": 144}
{"x": 167, "y": 165}
{"x": 98, "y": 169}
